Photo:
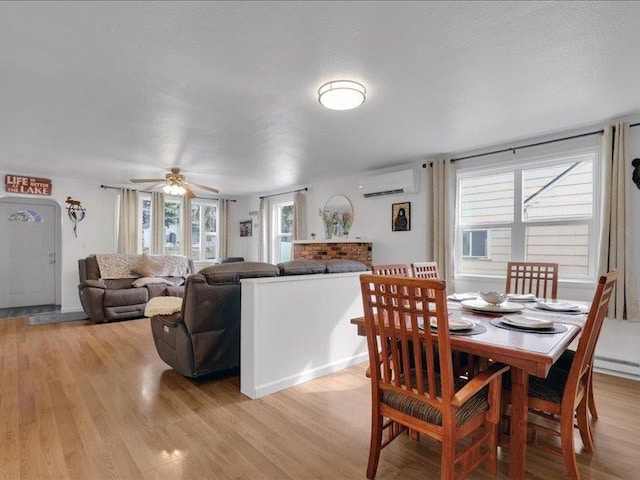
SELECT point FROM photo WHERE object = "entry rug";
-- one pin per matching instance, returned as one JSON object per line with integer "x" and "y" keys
{"x": 56, "y": 317}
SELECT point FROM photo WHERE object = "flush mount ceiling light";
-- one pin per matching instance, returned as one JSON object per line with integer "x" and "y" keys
{"x": 342, "y": 94}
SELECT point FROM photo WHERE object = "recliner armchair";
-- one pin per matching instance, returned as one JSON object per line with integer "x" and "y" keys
{"x": 204, "y": 337}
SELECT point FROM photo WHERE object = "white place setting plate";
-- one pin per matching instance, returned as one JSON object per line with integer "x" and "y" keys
{"x": 459, "y": 297}
{"x": 527, "y": 322}
{"x": 482, "y": 306}
{"x": 522, "y": 297}
{"x": 454, "y": 324}
{"x": 559, "y": 307}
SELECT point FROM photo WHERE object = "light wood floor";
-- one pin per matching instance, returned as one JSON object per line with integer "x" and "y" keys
{"x": 79, "y": 400}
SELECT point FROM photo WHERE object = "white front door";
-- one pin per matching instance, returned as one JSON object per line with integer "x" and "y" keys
{"x": 27, "y": 255}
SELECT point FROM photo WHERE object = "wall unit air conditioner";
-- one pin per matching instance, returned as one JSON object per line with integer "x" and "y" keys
{"x": 392, "y": 183}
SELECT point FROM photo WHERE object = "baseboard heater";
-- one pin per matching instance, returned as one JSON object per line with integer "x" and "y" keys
{"x": 617, "y": 366}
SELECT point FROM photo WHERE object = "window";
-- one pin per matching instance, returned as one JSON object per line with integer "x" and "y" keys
{"x": 145, "y": 221}
{"x": 204, "y": 230}
{"x": 204, "y": 227}
{"x": 282, "y": 222}
{"x": 475, "y": 244}
{"x": 539, "y": 211}
{"x": 172, "y": 226}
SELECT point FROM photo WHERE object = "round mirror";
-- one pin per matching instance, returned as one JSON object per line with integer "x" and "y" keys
{"x": 337, "y": 216}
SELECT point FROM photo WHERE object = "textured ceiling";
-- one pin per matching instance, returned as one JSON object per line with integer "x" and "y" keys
{"x": 228, "y": 91}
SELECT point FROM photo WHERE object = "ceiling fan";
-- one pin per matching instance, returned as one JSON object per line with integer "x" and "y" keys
{"x": 175, "y": 184}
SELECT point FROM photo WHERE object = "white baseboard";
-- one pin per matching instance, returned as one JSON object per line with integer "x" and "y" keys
{"x": 619, "y": 368}
{"x": 305, "y": 376}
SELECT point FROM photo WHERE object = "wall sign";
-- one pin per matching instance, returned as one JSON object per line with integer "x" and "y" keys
{"x": 30, "y": 185}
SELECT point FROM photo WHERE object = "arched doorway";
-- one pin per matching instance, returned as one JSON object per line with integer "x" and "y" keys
{"x": 30, "y": 257}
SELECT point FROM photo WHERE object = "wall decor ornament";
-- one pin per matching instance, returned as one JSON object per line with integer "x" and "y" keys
{"x": 76, "y": 213}
{"x": 401, "y": 217}
{"x": 337, "y": 216}
{"x": 246, "y": 228}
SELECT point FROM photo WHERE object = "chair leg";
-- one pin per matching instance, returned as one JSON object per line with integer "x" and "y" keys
{"x": 447, "y": 461}
{"x": 375, "y": 446}
{"x": 492, "y": 458}
{"x": 592, "y": 402}
{"x": 566, "y": 441}
{"x": 584, "y": 427}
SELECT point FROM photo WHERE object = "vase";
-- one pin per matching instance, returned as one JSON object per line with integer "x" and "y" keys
{"x": 328, "y": 230}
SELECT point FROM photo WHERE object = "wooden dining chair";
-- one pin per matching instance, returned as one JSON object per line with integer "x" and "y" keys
{"x": 394, "y": 269}
{"x": 424, "y": 270}
{"x": 563, "y": 395}
{"x": 538, "y": 278}
{"x": 414, "y": 388}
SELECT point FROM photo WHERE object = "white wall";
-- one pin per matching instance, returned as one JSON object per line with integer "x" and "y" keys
{"x": 371, "y": 221}
{"x": 96, "y": 233}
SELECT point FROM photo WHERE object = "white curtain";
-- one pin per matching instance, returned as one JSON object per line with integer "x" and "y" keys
{"x": 442, "y": 215}
{"x": 186, "y": 226}
{"x": 223, "y": 234}
{"x": 299, "y": 216}
{"x": 263, "y": 239}
{"x": 128, "y": 222}
{"x": 615, "y": 249}
{"x": 157, "y": 224}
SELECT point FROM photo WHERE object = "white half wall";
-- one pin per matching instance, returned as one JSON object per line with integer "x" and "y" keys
{"x": 297, "y": 328}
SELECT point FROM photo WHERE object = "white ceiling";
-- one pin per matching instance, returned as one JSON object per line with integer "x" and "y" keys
{"x": 228, "y": 91}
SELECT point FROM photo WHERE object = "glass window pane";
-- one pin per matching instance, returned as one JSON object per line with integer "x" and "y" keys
{"x": 487, "y": 198}
{"x": 567, "y": 245}
{"x": 25, "y": 216}
{"x": 285, "y": 249}
{"x": 558, "y": 192}
{"x": 286, "y": 219}
{"x": 211, "y": 244}
{"x": 498, "y": 253}
{"x": 210, "y": 219}
{"x": 146, "y": 226}
{"x": 173, "y": 230}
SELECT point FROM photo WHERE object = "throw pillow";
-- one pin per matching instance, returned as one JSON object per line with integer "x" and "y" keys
{"x": 344, "y": 266}
{"x": 301, "y": 267}
{"x": 141, "y": 282}
{"x": 146, "y": 266}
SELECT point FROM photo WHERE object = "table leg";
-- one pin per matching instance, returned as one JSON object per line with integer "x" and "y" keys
{"x": 518, "y": 433}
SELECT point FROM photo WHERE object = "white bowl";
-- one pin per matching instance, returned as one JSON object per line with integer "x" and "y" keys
{"x": 494, "y": 298}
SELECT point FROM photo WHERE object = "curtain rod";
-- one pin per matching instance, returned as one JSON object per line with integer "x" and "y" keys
{"x": 537, "y": 144}
{"x": 106, "y": 187}
{"x": 284, "y": 193}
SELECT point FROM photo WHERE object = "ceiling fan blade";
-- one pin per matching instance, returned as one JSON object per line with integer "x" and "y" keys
{"x": 189, "y": 193}
{"x": 204, "y": 187}
{"x": 147, "y": 180}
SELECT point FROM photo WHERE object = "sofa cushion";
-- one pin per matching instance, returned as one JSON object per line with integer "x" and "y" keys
{"x": 234, "y": 272}
{"x": 146, "y": 266}
{"x": 127, "y": 296}
{"x": 301, "y": 267}
{"x": 344, "y": 266}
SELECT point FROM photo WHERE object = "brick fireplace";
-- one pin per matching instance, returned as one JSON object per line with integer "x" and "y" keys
{"x": 331, "y": 249}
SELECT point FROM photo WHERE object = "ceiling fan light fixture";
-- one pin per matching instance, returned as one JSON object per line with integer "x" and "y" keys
{"x": 342, "y": 94}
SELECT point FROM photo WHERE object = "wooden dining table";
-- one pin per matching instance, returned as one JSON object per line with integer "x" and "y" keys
{"x": 527, "y": 353}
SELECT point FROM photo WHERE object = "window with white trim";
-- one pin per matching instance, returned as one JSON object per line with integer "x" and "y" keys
{"x": 282, "y": 228}
{"x": 542, "y": 210}
{"x": 172, "y": 224}
{"x": 204, "y": 230}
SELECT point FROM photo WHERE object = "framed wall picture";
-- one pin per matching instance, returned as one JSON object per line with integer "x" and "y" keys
{"x": 401, "y": 217}
{"x": 245, "y": 228}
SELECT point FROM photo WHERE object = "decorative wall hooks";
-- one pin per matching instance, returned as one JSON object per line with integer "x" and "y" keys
{"x": 76, "y": 213}
{"x": 636, "y": 171}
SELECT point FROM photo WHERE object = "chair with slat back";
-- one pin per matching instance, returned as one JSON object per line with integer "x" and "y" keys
{"x": 563, "y": 395}
{"x": 413, "y": 385}
{"x": 393, "y": 269}
{"x": 541, "y": 279}
{"x": 538, "y": 278}
{"x": 424, "y": 270}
